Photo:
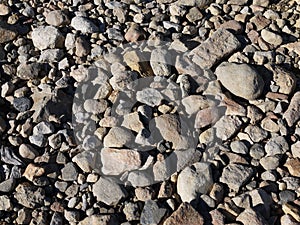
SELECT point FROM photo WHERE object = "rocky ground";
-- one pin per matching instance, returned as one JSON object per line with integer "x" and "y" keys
{"x": 150, "y": 112}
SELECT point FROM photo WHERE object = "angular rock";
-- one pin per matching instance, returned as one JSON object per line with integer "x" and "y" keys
{"x": 7, "y": 33}
{"x": 193, "y": 181}
{"x": 44, "y": 37}
{"x": 149, "y": 96}
{"x": 7, "y": 185}
{"x": 250, "y": 216}
{"x": 118, "y": 161}
{"x": 185, "y": 214}
{"x": 28, "y": 71}
{"x": 57, "y": 18}
{"x": 22, "y": 104}
{"x": 51, "y": 55}
{"x": 292, "y": 114}
{"x": 33, "y": 171}
{"x": 108, "y": 191}
{"x": 227, "y": 126}
{"x": 84, "y": 25}
{"x": 236, "y": 175}
{"x": 221, "y": 44}
{"x": 241, "y": 80}
{"x": 87, "y": 160}
{"x": 151, "y": 213}
{"x": 29, "y": 196}
{"x": 69, "y": 172}
{"x": 293, "y": 165}
{"x": 160, "y": 62}
{"x": 276, "y": 146}
{"x": 5, "y": 203}
{"x": 118, "y": 137}
{"x": 134, "y": 33}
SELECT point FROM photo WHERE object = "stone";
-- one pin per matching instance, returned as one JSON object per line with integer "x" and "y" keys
{"x": 5, "y": 203}
{"x": 99, "y": 220}
{"x": 227, "y": 126}
{"x": 82, "y": 47}
{"x": 95, "y": 106}
{"x": 293, "y": 165}
{"x": 185, "y": 214}
{"x": 131, "y": 211}
{"x": 51, "y": 55}
{"x": 33, "y": 171}
{"x": 56, "y": 219}
{"x": 7, "y": 185}
{"x": 24, "y": 216}
{"x": 236, "y": 175}
{"x": 287, "y": 196}
{"x": 271, "y": 37}
{"x": 263, "y": 3}
{"x": 43, "y": 127}
{"x": 38, "y": 140}
{"x": 134, "y": 33}
{"x": 194, "y": 15}
{"x": 132, "y": 122}
{"x": 193, "y": 181}
{"x": 118, "y": 137}
{"x": 152, "y": 213}
{"x": 87, "y": 160}
{"x": 256, "y": 133}
{"x": 221, "y": 44}
{"x": 257, "y": 151}
{"x": 149, "y": 96}
{"x": 288, "y": 220}
{"x": 270, "y": 162}
{"x": 269, "y": 125}
{"x": 292, "y": 210}
{"x": 118, "y": 161}
{"x": 193, "y": 103}
{"x": 4, "y": 10}
{"x": 140, "y": 178}
{"x": 29, "y": 196}
{"x": 8, "y": 156}
{"x": 57, "y": 18}
{"x": 29, "y": 70}
{"x": 7, "y": 33}
{"x": 295, "y": 149}
{"x": 239, "y": 147}
{"x": 69, "y": 172}
{"x": 292, "y": 114}
{"x": 241, "y": 80}
{"x": 250, "y": 216}
{"x": 84, "y": 25}
{"x": 276, "y": 146}
{"x": 160, "y": 62}
{"x": 44, "y": 37}
{"x": 206, "y": 117}
{"x": 137, "y": 62}
{"x": 233, "y": 25}
{"x": 108, "y": 191}
{"x": 22, "y": 104}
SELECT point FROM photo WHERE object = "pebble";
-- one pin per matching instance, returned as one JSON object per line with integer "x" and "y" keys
{"x": 236, "y": 175}
{"x": 86, "y": 160}
{"x": 292, "y": 115}
{"x": 7, "y": 33}
{"x": 276, "y": 146}
{"x": 271, "y": 37}
{"x": 4, "y": 10}
{"x": 152, "y": 213}
{"x": 193, "y": 181}
{"x": 69, "y": 172}
{"x": 44, "y": 37}
{"x": 108, "y": 192}
{"x": 57, "y": 18}
{"x": 227, "y": 126}
{"x": 239, "y": 147}
{"x": 160, "y": 62}
{"x": 118, "y": 137}
{"x": 22, "y": 104}
{"x": 221, "y": 44}
{"x": 149, "y": 96}
{"x": 185, "y": 214}
{"x": 134, "y": 33}
{"x": 33, "y": 171}
{"x": 249, "y": 215}
{"x": 84, "y": 25}
{"x": 5, "y": 203}
{"x": 241, "y": 80}
{"x": 293, "y": 165}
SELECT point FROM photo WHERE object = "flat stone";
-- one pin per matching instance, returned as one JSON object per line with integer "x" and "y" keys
{"x": 118, "y": 137}
{"x": 293, "y": 165}
{"x": 149, "y": 96}
{"x": 87, "y": 160}
{"x": 44, "y": 37}
{"x": 84, "y": 25}
{"x": 29, "y": 196}
{"x": 43, "y": 127}
{"x": 118, "y": 161}
{"x": 108, "y": 191}
{"x": 241, "y": 80}
{"x": 250, "y": 216}
{"x": 292, "y": 114}
{"x": 193, "y": 181}
{"x": 236, "y": 175}
{"x": 152, "y": 213}
{"x": 185, "y": 214}
{"x": 221, "y": 44}
{"x": 227, "y": 126}
{"x": 295, "y": 149}
{"x": 69, "y": 172}
{"x": 271, "y": 38}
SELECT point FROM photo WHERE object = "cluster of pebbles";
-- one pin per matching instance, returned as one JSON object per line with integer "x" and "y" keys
{"x": 151, "y": 112}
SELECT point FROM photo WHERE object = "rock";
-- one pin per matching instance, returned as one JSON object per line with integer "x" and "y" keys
{"x": 4, "y": 10}
{"x": 257, "y": 151}
{"x": 7, "y": 185}
{"x": 33, "y": 171}
{"x": 185, "y": 214}
{"x": 29, "y": 71}
{"x": 57, "y": 18}
{"x": 292, "y": 114}
{"x": 51, "y": 55}
{"x": 193, "y": 181}
{"x": 194, "y": 15}
{"x": 151, "y": 213}
{"x": 69, "y": 172}
{"x": 95, "y": 106}
{"x": 250, "y": 216}
{"x": 132, "y": 122}
{"x": 72, "y": 216}
{"x": 263, "y": 3}
{"x": 221, "y": 44}
{"x": 38, "y": 140}
{"x": 22, "y": 104}
{"x": 292, "y": 210}
{"x": 149, "y": 96}
{"x": 295, "y": 149}
{"x": 7, "y": 33}
{"x": 276, "y": 146}
{"x": 287, "y": 196}
{"x": 239, "y": 147}
{"x": 227, "y": 126}
{"x": 271, "y": 38}
{"x": 134, "y": 33}
{"x": 108, "y": 192}
{"x": 269, "y": 125}
{"x": 84, "y": 25}
{"x": 99, "y": 220}
{"x": 270, "y": 162}
{"x": 29, "y": 196}
{"x": 233, "y": 25}
{"x": 5, "y": 203}
{"x": 236, "y": 175}
{"x": 206, "y": 117}
{"x": 44, "y": 37}
{"x": 118, "y": 137}
{"x": 140, "y": 178}
{"x": 43, "y": 127}
{"x": 160, "y": 61}
{"x": 256, "y": 133}
{"x": 87, "y": 160}
{"x": 288, "y": 220}
{"x": 56, "y": 219}
{"x": 24, "y": 216}
{"x": 8, "y": 156}
{"x": 118, "y": 161}
{"x": 193, "y": 103}
{"x": 131, "y": 211}
{"x": 293, "y": 165}
{"x": 82, "y": 46}
{"x": 241, "y": 80}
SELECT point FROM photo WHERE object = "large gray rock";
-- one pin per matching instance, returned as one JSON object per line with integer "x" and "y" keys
{"x": 193, "y": 181}
{"x": 241, "y": 80}
{"x": 84, "y": 25}
{"x": 44, "y": 37}
{"x": 221, "y": 44}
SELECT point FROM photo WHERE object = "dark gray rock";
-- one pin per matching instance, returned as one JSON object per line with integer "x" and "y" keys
{"x": 22, "y": 104}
